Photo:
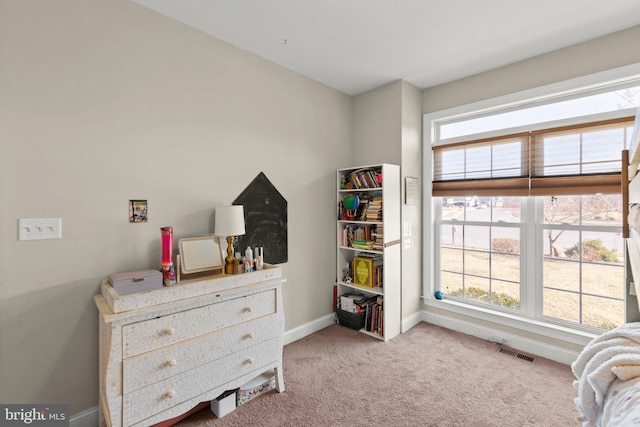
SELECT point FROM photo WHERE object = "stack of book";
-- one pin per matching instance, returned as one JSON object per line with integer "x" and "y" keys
{"x": 374, "y": 210}
{"x": 362, "y": 244}
{"x": 357, "y": 236}
{"x": 354, "y": 303}
{"x": 378, "y": 238}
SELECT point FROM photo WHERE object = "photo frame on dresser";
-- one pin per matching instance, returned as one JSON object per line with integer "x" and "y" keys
{"x": 199, "y": 256}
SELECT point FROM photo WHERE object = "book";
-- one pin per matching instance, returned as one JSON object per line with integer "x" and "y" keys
{"x": 363, "y": 179}
{"x": 363, "y": 271}
{"x": 346, "y": 304}
{"x": 362, "y": 244}
{"x": 367, "y": 270}
{"x": 376, "y": 269}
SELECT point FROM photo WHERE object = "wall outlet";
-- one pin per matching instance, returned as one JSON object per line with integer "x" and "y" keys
{"x": 39, "y": 228}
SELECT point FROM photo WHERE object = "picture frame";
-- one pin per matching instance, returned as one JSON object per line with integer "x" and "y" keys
{"x": 199, "y": 255}
{"x": 138, "y": 211}
{"x": 411, "y": 191}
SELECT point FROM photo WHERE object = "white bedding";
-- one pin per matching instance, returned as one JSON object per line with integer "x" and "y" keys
{"x": 634, "y": 216}
{"x": 623, "y": 404}
{"x": 611, "y": 359}
{"x": 633, "y": 246}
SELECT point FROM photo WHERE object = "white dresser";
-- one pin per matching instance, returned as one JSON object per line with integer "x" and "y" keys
{"x": 162, "y": 352}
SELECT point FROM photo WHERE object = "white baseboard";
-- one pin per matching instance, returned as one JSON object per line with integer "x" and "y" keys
{"x": 86, "y": 418}
{"x": 308, "y": 328}
{"x": 528, "y": 345}
{"x": 412, "y": 321}
{"x": 538, "y": 348}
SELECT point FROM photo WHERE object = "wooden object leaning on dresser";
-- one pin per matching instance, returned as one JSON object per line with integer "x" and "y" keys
{"x": 164, "y": 351}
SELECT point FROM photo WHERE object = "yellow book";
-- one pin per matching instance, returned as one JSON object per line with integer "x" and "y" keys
{"x": 363, "y": 271}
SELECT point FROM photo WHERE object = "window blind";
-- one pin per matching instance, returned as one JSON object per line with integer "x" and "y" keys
{"x": 580, "y": 159}
{"x": 483, "y": 167}
{"x": 583, "y": 159}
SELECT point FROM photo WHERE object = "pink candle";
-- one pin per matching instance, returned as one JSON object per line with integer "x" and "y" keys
{"x": 166, "y": 266}
{"x": 167, "y": 244}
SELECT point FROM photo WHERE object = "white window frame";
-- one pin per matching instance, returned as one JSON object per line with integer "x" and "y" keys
{"x": 539, "y": 262}
{"x": 522, "y": 230}
{"x": 607, "y": 80}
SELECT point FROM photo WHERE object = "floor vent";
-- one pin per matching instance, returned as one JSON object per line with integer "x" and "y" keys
{"x": 517, "y": 354}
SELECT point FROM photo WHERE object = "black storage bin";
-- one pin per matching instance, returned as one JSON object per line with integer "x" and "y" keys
{"x": 351, "y": 320}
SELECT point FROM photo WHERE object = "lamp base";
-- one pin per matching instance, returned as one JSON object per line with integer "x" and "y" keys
{"x": 228, "y": 267}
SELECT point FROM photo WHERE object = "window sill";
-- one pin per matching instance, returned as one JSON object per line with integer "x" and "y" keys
{"x": 530, "y": 326}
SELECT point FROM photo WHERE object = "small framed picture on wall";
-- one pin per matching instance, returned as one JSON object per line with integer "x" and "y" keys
{"x": 411, "y": 191}
{"x": 138, "y": 211}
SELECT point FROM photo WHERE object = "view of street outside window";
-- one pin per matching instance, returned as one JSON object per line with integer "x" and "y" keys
{"x": 581, "y": 252}
{"x": 583, "y": 264}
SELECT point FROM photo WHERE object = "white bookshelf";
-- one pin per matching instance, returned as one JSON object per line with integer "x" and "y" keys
{"x": 386, "y": 250}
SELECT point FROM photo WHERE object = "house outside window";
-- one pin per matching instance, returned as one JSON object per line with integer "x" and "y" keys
{"x": 528, "y": 218}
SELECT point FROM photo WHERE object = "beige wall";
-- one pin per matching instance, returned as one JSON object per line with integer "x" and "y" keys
{"x": 604, "y": 53}
{"x": 411, "y": 214}
{"x": 387, "y": 127}
{"x": 104, "y": 101}
{"x": 377, "y": 122}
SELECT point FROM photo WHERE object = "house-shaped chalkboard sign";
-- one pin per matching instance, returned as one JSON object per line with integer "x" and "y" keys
{"x": 265, "y": 216}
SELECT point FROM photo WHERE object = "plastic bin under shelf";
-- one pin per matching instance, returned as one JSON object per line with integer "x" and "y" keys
{"x": 351, "y": 320}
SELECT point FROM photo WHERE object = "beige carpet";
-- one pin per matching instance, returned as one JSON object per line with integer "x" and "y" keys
{"x": 428, "y": 376}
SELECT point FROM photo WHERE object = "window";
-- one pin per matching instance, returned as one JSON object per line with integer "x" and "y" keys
{"x": 577, "y": 246}
{"x": 583, "y": 260}
{"x": 480, "y": 250}
{"x": 528, "y": 220}
{"x": 608, "y": 101}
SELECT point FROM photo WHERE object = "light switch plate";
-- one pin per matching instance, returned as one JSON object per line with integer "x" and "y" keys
{"x": 39, "y": 228}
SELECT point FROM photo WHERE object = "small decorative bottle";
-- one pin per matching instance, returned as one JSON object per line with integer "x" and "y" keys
{"x": 259, "y": 253}
{"x": 166, "y": 265}
{"x": 248, "y": 256}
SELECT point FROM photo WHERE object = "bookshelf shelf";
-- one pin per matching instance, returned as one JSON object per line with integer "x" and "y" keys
{"x": 346, "y": 221}
{"x": 368, "y": 247}
{"x": 350, "y": 190}
{"x": 376, "y": 291}
{"x": 347, "y": 248}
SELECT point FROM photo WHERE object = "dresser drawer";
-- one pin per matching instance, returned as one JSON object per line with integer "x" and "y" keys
{"x": 158, "y": 397}
{"x": 148, "y": 368}
{"x": 155, "y": 333}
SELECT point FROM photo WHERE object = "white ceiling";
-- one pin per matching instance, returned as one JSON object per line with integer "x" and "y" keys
{"x": 357, "y": 45}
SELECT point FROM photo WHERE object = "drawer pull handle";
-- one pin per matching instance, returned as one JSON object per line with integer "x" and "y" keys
{"x": 248, "y": 309}
{"x": 170, "y": 394}
{"x": 249, "y": 335}
{"x": 168, "y": 331}
{"x": 249, "y": 361}
{"x": 171, "y": 362}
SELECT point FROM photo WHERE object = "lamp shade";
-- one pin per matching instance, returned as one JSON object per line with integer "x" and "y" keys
{"x": 229, "y": 220}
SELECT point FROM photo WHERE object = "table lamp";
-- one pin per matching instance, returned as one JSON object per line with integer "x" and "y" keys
{"x": 229, "y": 222}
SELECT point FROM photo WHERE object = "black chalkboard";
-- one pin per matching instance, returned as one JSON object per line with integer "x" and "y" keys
{"x": 265, "y": 216}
